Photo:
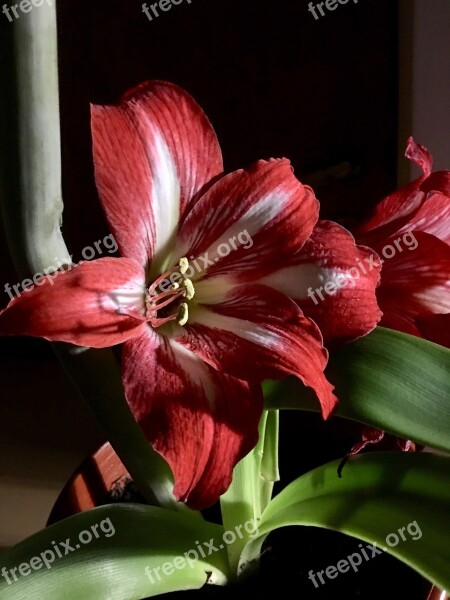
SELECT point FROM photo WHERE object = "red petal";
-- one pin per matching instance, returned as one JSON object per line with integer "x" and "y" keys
{"x": 82, "y": 306}
{"x": 437, "y": 182}
{"x": 153, "y": 153}
{"x": 201, "y": 421}
{"x": 433, "y": 217}
{"x": 256, "y": 333}
{"x": 248, "y": 222}
{"x": 435, "y": 328}
{"x": 334, "y": 283}
{"x": 369, "y": 435}
{"x": 419, "y": 155}
{"x": 413, "y": 282}
{"x": 392, "y": 213}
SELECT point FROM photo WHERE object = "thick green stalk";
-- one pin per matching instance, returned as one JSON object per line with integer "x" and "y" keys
{"x": 31, "y": 203}
{"x": 250, "y": 493}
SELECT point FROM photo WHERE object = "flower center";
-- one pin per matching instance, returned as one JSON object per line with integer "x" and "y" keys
{"x": 167, "y": 298}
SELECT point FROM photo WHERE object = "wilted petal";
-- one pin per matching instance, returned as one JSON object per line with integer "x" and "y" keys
{"x": 369, "y": 436}
{"x": 419, "y": 155}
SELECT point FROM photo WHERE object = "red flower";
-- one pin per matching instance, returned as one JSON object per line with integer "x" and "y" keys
{"x": 198, "y": 298}
{"x": 410, "y": 230}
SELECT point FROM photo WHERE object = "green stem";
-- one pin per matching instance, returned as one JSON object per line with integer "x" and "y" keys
{"x": 31, "y": 199}
{"x": 250, "y": 493}
{"x": 32, "y": 205}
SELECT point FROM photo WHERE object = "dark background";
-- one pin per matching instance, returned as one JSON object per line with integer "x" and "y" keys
{"x": 274, "y": 82}
{"x": 272, "y": 79}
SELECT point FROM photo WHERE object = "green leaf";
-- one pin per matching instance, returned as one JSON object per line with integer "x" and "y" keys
{"x": 378, "y": 494}
{"x": 113, "y": 567}
{"x": 390, "y": 380}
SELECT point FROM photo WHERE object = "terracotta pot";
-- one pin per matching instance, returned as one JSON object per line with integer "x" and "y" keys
{"x": 101, "y": 479}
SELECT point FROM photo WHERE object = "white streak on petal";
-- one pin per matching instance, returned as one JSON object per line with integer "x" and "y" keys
{"x": 244, "y": 329}
{"x": 294, "y": 281}
{"x": 166, "y": 199}
{"x": 196, "y": 369}
{"x": 255, "y": 219}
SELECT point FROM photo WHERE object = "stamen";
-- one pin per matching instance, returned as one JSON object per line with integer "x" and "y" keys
{"x": 172, "y": 298}
{"x": 155, "y": 322}
{"x": 162, "y": 277}
{"x": 184, "y": 265}
{"x": 183, "y": 314}
{"x": 156, "y": 302}
{"x": 190, "y": 290}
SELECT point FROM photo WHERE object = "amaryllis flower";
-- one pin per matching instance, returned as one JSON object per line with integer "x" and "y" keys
{"x": 195, "y": 298}
{"x": 410, "y": 230}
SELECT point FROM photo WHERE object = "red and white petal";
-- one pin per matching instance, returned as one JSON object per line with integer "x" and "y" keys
{"x": 255, "y": 333}
{"x": 413, "y": 282}
{"x": 248, "y": 222}
{"x": 153, "y": 154}
{"x": 433, "y": 217}
{"x": 96, "y": 304}
{"x": 392, "y": 213}
{"x": 435, "y": 328}
{"x": 202, "y": 421}
{"x": 333, "y": 281}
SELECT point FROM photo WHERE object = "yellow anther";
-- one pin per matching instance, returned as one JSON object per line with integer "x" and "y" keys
{"x": 190, "y": 291}
{"x": 183, "y": 314}
{"x": 184, "y": 265}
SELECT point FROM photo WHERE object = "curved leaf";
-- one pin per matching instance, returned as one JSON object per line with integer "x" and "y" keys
{"x": 378, "y": 494}
{"x": 389, "y": 380}
{"x": 113, "y": 567}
